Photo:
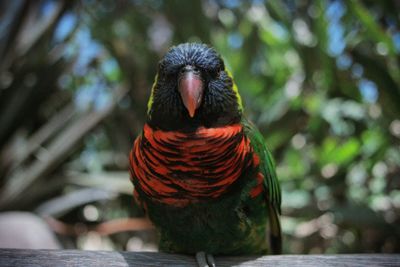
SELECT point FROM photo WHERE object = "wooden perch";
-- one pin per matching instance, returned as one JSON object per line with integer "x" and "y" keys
{"x": 12, "y": 257}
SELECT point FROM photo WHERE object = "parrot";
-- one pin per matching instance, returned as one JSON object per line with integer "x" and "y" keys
{"x": 201, "y": 171}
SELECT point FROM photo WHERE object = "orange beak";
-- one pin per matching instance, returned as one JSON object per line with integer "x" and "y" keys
{"x": 191, "y": 88}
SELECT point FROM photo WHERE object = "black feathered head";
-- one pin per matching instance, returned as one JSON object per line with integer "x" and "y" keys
{"x": 192, "y": 88}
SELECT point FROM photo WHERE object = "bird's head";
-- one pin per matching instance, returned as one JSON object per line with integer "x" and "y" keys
{"x": 192, "y": 88}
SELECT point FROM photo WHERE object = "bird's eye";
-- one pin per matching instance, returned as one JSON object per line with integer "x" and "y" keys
{"x": 213, "y": 72}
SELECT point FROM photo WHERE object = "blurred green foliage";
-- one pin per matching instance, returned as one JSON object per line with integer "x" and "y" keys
{"x": 321, "y": 79}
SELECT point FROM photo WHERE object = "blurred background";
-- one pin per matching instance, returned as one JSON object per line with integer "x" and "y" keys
{"x": 321, "y": 79}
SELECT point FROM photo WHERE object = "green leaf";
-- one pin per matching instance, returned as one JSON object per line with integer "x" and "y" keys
{"x": 340, "y": 154}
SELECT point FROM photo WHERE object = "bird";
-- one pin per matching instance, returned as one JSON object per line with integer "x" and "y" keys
{"x": 201, "y": 171}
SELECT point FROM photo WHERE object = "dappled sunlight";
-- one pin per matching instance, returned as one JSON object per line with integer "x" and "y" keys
{"x": 321, "y": 80}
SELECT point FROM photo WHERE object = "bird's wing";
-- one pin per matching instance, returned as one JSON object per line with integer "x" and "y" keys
{"x": 271, "y": 184}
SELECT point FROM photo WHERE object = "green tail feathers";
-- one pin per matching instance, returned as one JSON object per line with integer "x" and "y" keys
{"x": 275, "y": 236}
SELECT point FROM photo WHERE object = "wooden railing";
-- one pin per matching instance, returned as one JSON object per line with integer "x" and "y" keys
{"x": 24, "y": 257}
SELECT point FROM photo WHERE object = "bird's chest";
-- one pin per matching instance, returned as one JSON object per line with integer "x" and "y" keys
{"x": 179, "y": 168}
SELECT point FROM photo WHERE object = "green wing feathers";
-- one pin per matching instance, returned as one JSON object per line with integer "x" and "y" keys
{"x": 267, "y": 167}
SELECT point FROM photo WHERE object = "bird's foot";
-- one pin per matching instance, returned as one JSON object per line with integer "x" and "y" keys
{"x": 205, "y": 260}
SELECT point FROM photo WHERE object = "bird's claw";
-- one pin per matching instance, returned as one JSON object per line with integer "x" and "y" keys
{"x": 205, "y": 260}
